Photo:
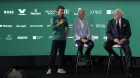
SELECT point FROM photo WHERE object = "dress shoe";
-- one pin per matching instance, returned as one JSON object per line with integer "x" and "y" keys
{"x": 128, "y": 74}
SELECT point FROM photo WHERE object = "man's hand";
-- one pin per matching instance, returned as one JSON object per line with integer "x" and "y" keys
{"x": 116, "y": 40}
{"x": 84, "y": 40}
{"x": 61, "y": 21}
{"x": 121, "y": 41}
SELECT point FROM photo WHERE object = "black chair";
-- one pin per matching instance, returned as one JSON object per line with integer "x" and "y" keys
{"x": 121, "y": 54}
{"x": 89, "y": 61}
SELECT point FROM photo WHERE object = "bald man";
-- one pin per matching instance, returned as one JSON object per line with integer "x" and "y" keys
{"x": 82, "y": 34}
{"x": 118, "y": 32}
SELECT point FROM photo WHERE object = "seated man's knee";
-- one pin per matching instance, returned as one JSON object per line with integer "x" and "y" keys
{"x": 91, "y": 45}
{"x": 127, "y": 48}
{"x": 105, "y": 46}
{"x": 80, "y": 46}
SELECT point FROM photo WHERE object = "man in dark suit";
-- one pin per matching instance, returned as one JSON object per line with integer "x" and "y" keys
{"x": 118, "y": 32}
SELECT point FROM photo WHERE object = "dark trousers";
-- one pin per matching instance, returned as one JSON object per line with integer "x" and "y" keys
{"x": 126, "y": 48}
{"x": 80, "y": 44}
{"x": 57, "y": 45}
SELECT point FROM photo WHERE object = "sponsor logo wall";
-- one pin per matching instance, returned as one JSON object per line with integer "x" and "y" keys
{"x": 51, "y": 12}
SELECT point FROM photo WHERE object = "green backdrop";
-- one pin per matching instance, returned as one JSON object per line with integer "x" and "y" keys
{"x": 19, "y": 23}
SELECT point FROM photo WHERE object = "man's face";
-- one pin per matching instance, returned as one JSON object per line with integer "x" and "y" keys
{"x": 81, "y": 14}
{"x": 60, "y": 12}
{"x": 117, "y": 15}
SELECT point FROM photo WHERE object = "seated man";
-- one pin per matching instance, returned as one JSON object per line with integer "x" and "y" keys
{"x": 118, "y": 32}
{"x": 82, "y": 33}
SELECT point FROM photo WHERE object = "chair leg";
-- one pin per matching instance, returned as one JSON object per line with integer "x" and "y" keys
{"x": 135, "y": 61}
{"x": 91, "y": 64}
{"x": 77, "y": 59}
{"x": 135, "y": 58}
{"x": 108, "y": 64}
{"x": 122, "y": 59}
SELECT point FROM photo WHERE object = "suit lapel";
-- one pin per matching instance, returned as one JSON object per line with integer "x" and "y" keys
{"x": 114, "y": 24}
{"x": 122, "y": 23}
{"x": 79, "y": 25}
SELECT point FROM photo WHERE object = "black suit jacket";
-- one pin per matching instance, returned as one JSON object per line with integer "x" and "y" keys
{"x": 112, "y": 33}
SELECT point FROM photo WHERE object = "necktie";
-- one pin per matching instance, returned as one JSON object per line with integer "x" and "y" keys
{"x": 118, "y": 28}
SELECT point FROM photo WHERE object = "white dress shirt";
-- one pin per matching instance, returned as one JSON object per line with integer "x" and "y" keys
{"x": 82, "y": 22}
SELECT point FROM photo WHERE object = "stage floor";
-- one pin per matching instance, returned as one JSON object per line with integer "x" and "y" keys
{"x": 83, "y": 72}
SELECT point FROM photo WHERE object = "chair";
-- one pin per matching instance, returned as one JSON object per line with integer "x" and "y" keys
{"x": 121, "y": 54}
{"x": 90, "y": 60}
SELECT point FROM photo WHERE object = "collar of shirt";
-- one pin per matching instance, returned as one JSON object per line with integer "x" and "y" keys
{"x": 82, "y": 22}
{"x": 119, "y": 22}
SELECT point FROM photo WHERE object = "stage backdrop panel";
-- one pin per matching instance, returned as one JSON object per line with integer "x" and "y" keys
{"x": 25, "y": 26}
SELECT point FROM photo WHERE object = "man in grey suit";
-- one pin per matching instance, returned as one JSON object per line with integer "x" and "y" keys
{"x": 82, "y": 34}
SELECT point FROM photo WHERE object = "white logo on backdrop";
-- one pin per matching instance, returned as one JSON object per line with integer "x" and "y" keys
{"x": 35, "y": 12}
{"x": 21, "y": 11}
{"x": 8, "y": 12}
{"x": 78, "y": 11}
{"x": 9, "y": 37}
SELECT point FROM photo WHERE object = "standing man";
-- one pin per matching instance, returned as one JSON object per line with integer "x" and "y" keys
{"x": 60, "y": 33}
{"x": 82, "y": 34}
{"x": 118, "y": 32}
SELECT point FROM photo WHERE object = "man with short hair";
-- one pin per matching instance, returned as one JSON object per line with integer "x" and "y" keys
{"x": 82, "y": 34}
{"x": 60, "y": 33}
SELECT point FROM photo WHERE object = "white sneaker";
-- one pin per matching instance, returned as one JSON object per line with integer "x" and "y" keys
{"x": 62, "y": 71}
{"x": 49, "y": 71}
